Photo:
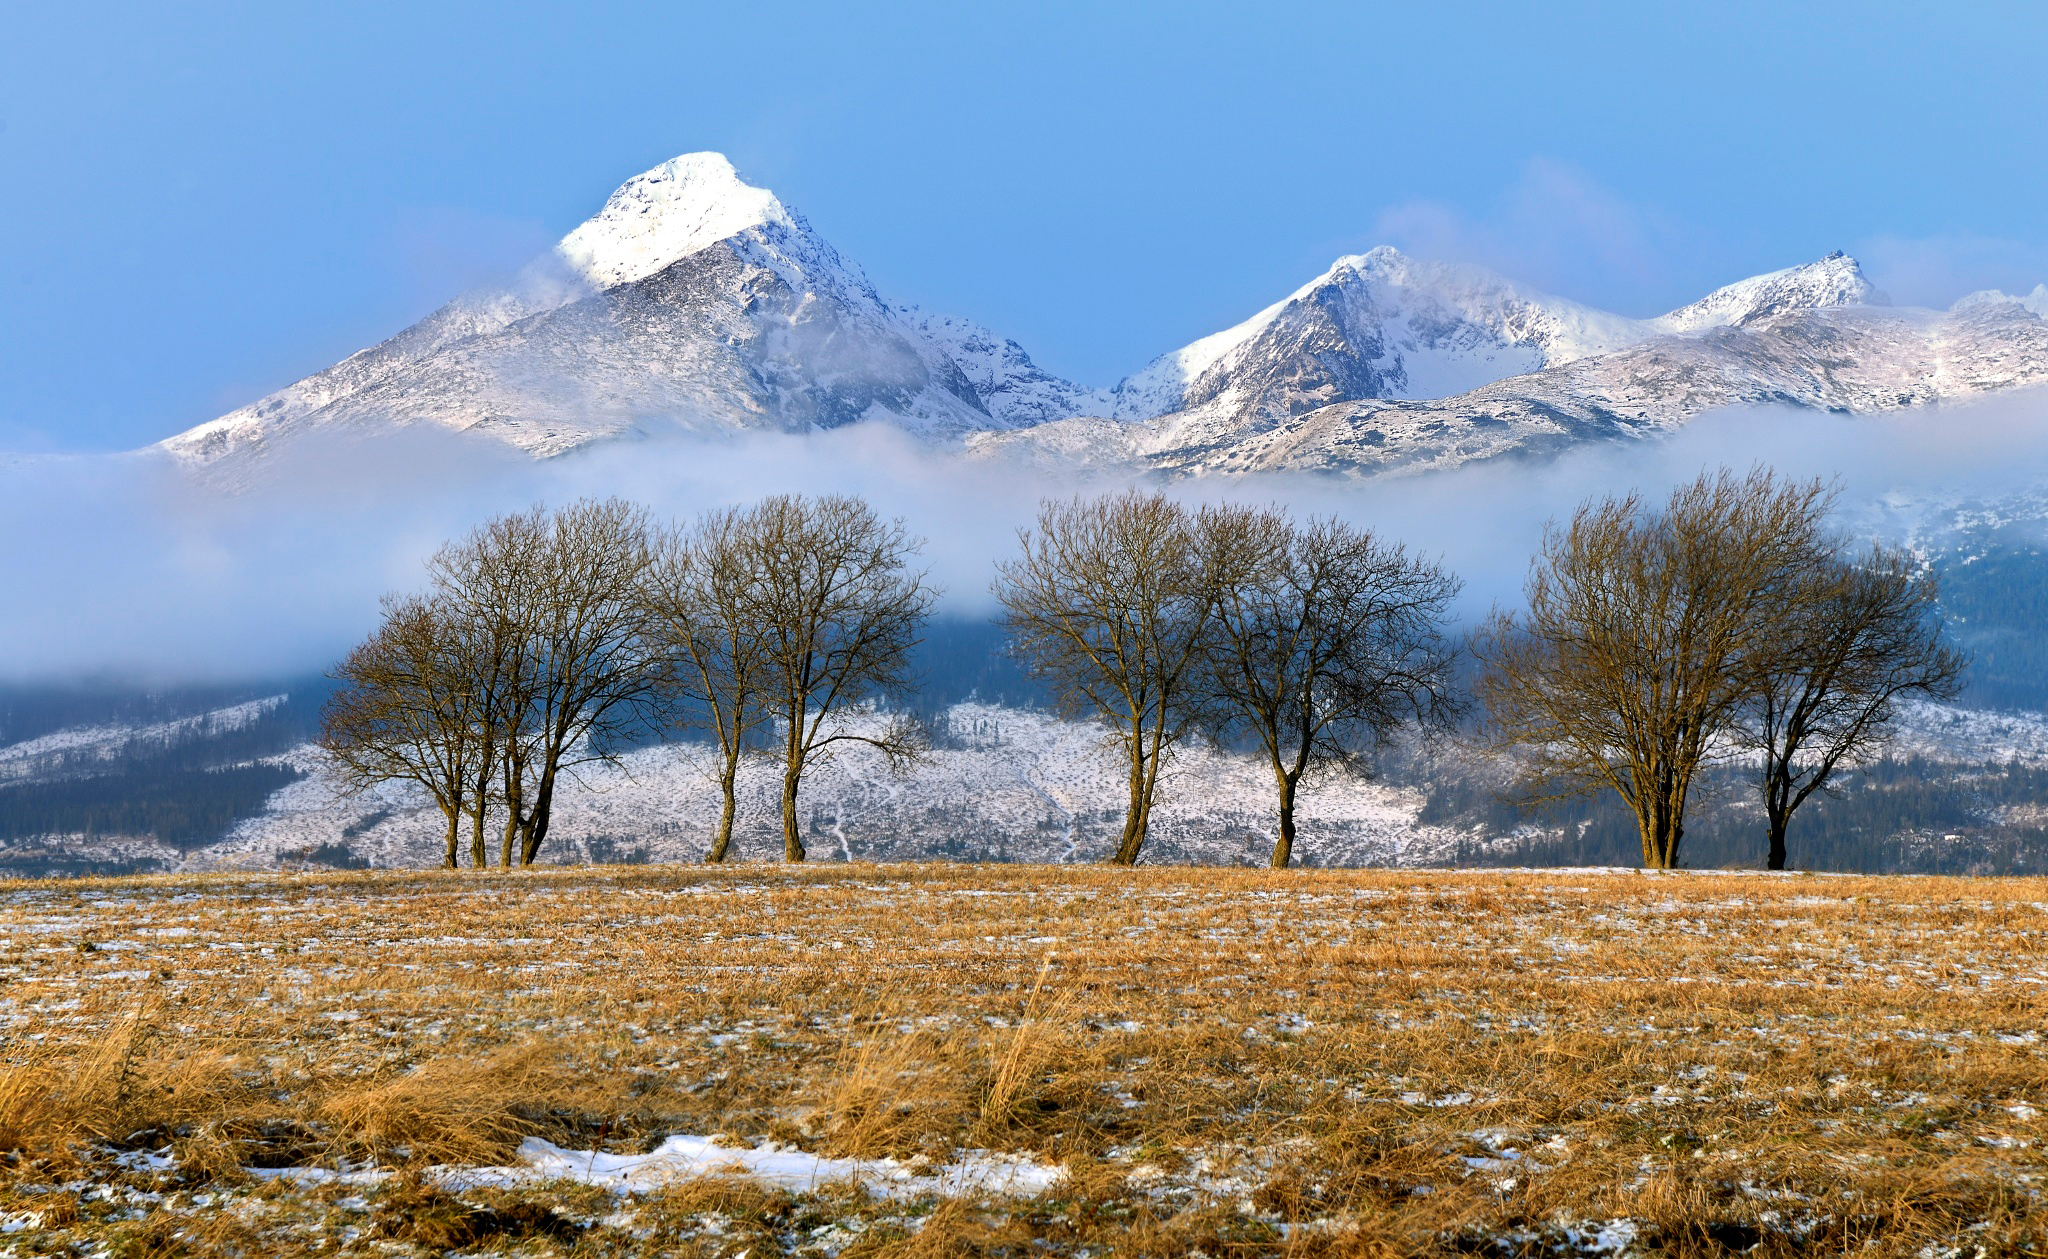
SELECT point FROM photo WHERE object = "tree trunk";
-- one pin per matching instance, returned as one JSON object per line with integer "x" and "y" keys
{"x": 1659, "y": 821}
{"x": 1135, "y": 825}
{"x": 1778, "y": 805}
{"x": 1134, "y": 815}
{"x": 479, "y": 851}
{"x": 1283, "y": 843}
{"x": 722, "y": 841}
{"x": 792, "y": 838}
{"x": 537, "y": 826}
{"x": 479, "y": 848}
{"x": 454, "y": 834}
{"x": 515, "y": 807}
{"x": 512, "y": 807}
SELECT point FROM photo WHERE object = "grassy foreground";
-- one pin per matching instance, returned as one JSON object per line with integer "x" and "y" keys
{"x": 1224, "y": 1062}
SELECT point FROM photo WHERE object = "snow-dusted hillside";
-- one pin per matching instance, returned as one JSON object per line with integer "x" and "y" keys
{"x": 1006, "y": 784}
{"x": 691, "y": 299}
{"x": 76, "y": 750}
{"x": 1015, "y": 785}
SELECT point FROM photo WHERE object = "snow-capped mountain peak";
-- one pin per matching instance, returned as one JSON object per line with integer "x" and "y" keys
{"x": 663, "y": 216}
{"x": 1376, "y": 324}
{"x": 691, "y": 301}
{"x": 1836, "y": 280}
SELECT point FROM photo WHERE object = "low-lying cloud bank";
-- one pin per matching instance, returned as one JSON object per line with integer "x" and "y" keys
{"x": 125, "y": 567}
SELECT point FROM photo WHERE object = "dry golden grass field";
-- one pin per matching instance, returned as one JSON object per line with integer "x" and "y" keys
{"x": 1023, "y": 1061}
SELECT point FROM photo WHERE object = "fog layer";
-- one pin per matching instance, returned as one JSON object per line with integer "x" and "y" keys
{"x": 126, "y": 567}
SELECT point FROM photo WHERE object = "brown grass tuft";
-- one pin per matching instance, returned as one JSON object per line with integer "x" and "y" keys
{"x": 1041, "y": 1033}
{"x": 32, "y": 1114}
{"x": 458, "y": 1110}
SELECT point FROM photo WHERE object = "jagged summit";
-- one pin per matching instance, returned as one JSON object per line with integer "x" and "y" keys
{"x": 665, "y": 215}
{"x": 1836, "y": 280}
{"x": 1373, "y": 325}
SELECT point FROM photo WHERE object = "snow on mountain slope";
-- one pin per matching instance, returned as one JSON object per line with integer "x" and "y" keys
{"x": 1015, "y": 390}
{"x": 680, "y": 207}
{"x": 71, "y": 751}
{"x": 1377, "y": 324}
{"x": 691, "y": 299}
{"x": 1323, "y": 385}
{"x": 1850, "y": 359}
{"x": 1402, "y": 328}
{"x": 2034, "y": 303}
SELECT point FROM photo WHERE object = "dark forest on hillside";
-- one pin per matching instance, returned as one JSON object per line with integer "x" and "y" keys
{"x": 186, "y": 790}
{"x": 1995, "y": 598}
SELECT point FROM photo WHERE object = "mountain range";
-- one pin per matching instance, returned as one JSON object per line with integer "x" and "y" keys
{"x": 694, "y": 301}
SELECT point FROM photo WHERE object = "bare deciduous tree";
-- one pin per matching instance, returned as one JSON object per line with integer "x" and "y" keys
{"x": 837, "y": 610}
{"x": 407, "y": 709}
{"x": 557, "y": 596}
{"x": 700, "y": 594}
{"x": 484, "y": 582}
{"x": 1326, "y": 640}
{"x": 1642, "y": 640}
{"x": 1110, "y": 603}
{"x": 1857, "y": 633}
{"x": 587, "y": 645}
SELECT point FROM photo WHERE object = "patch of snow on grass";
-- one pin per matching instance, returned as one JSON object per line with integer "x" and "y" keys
{"x": 1611, "y": 1238}
{"x": 682, "y": 1158}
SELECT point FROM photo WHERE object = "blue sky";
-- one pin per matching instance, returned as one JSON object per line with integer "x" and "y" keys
{"x": 203, "y": 202}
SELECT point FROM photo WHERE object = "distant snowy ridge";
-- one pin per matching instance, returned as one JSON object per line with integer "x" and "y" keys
{"x": 1384, "y": 364}
{"x": 1410, "y": 329}
{"x": 693, "y": 301}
